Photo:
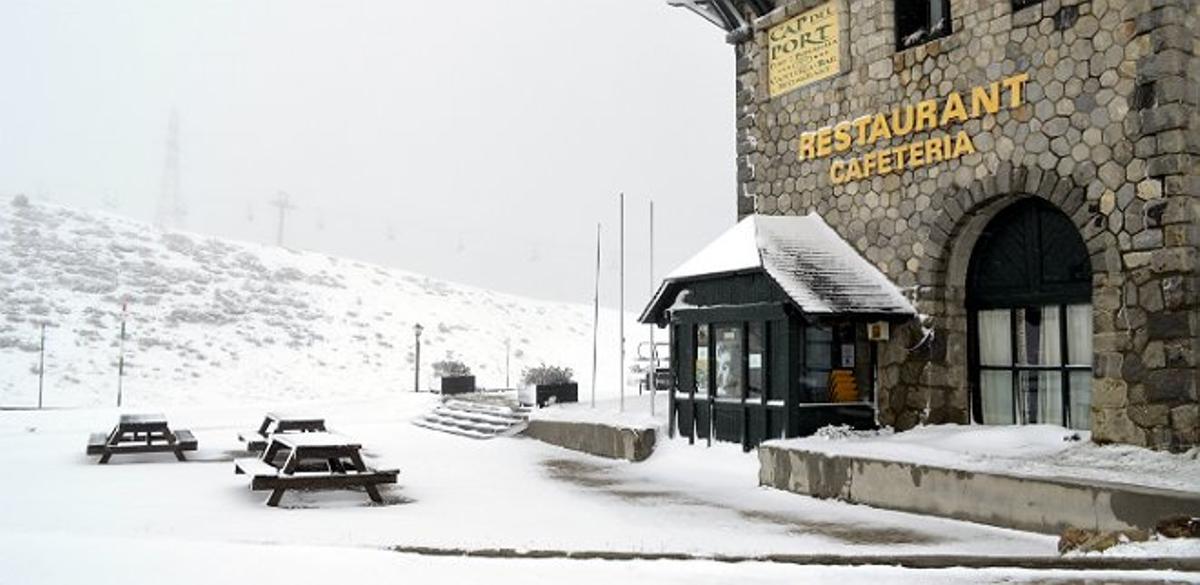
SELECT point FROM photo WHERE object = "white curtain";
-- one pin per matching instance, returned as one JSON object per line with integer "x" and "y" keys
{"x": 995, "y": 349}
{"x": 1050, "y": 405}
{"x": 1079, "y": 348}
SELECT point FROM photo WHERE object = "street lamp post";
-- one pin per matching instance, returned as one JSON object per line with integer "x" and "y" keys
{"x": 417, "y": 375}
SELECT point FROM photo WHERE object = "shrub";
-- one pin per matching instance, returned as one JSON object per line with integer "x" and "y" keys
{"x": 544, "y": 374}
{"x": 450, "y": 369}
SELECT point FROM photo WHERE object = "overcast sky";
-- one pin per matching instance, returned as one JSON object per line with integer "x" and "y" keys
{"x": 478, "y": 141}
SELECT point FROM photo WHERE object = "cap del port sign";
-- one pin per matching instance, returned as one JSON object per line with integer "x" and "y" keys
{"x": 803, "y": 49}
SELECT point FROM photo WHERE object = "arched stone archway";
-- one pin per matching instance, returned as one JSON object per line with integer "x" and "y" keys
{"x": 928, "y": 379}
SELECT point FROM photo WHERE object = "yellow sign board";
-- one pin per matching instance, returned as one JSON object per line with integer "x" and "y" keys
{"x": 803, "y": 49}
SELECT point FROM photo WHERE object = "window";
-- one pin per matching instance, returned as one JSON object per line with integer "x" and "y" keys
{"x": 1029, "y": 292}
{"x": 921, "y": 21}
{"x": 818, "y": 361}
{"x": 757, "y": 364}
{"x": 1023, "y": 377}
{"x": 730, "y": 379}
{"x": 701, "y": 366}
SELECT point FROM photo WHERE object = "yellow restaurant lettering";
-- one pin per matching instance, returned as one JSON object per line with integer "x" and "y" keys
{"x": 924, "y": 116}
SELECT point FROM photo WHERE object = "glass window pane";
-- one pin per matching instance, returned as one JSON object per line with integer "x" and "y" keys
{"x": 1050, "y": 337}
{"x": 818, "y": 385}
{"x": 1038, "y": 336}
{"x": 757, "y": 360}
{"x": 701, "y": 369}
{"x": 818, "y": 349}
{"x": 1039, "y": 395}
{"x": 997, "y": 394}
{"x": 1081, "y": 400}
{"x": 730, "y": 360}
{"x": 1079, "y": 335}
{"x": 995, "y": 337}
{"x": 818, "y": 361}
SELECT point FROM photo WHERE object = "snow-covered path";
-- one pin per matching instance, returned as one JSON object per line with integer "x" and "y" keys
{"x": 453, "y": 493}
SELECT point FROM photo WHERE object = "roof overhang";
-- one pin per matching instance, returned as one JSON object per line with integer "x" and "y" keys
{"x": 821, "y": 273}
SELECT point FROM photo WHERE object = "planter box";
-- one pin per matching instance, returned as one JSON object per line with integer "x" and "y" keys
{"x": 544, "y": 394}
{"x": 458, "y": 384}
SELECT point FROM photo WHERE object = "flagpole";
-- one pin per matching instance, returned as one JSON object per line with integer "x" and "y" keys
{"x": 596, "y": 317}
{"x": 121, "y": 359}
{"x": 653, "y": 348}
{"x": 621, "y": 309}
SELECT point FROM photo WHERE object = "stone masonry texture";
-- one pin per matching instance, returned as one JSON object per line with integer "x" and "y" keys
{"x": 1109, "y": 134}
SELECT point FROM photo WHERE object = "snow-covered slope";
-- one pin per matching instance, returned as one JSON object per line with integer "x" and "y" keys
{"x": 212, "y": 320}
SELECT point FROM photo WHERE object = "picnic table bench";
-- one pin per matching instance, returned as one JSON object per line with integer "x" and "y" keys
{"x": 312, "y": 461}
{"x": 141, "y": 433}
{"x": 279, "y": 422}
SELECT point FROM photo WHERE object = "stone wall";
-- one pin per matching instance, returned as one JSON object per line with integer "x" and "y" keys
{"x": 1109, "y": 133}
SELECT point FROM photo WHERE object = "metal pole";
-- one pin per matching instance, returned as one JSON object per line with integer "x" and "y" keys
{"x": 653, "y": 348}
{"x": 417, "y": 371}
{"x": 596, "y": 317}
{"x": 121, "y": 359}
{"x": 621, "y": 304}
{"x": 507, "y": 361}
{"x": 41, "y": 366}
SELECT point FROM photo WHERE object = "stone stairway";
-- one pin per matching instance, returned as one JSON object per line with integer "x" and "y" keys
{"x": 477, "y": 420}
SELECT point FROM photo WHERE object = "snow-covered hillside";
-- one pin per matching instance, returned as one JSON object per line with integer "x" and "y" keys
{"x": 212, "y": 320}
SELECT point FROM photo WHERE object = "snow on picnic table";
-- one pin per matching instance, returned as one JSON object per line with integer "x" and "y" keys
{"x": 1030, "y": 450}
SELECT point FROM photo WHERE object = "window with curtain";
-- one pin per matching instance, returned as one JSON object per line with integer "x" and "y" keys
{"x": 1029, "y": 287}
{"x": 1022, "y": 376}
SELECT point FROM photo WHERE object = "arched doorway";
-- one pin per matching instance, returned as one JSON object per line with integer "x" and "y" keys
{"x": 1029, "y": 291}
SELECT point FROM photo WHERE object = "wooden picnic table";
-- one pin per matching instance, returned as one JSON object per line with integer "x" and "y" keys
{"x": 312, "y": 461}
{"x": 280, "y": 422}
{"x": 141, "y": 433}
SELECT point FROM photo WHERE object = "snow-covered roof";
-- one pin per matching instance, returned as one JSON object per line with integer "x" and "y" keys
{"x": 819, "y": 271}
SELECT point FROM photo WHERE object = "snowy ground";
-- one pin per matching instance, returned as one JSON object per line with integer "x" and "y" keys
{"x": 453, "y": 493}
{"x": 1030, "y": 450}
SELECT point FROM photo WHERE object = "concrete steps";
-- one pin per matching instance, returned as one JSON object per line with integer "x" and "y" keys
{"x": 476, "y": 420}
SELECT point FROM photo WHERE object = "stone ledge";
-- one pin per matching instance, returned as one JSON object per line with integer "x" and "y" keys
{"x": 595, "y": 438}
{"x": 1046, "y": 505}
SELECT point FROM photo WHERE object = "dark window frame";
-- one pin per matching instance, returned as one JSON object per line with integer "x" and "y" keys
{"x": 912, "y": 20}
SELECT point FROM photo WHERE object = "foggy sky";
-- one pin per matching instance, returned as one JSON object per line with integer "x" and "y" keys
{"x": 478, "y": 141}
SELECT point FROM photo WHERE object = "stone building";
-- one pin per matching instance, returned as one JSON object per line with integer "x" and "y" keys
{"x": 1026, "y": 172}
